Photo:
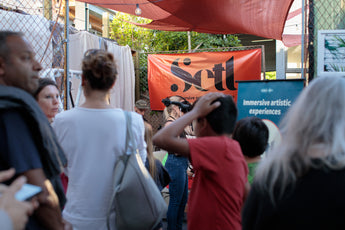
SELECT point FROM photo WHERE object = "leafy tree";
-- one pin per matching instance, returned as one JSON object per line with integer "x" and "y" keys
{"x": 167, "y": 40}
{"x": 146, "y": 40}
{"x": 214, "y": 40}
{"x": 125, "y": 33}
{"x": 139, "y": 38}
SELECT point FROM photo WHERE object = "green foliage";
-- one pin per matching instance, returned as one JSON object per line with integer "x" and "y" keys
{"x": 145, "y": 40}
{"x": 143, "y": 72}
{"x": 214, "y": 40}
{"x": 125, "y": 33}
{"x": 271, "y": 75}
{"x": 166, "y": 40}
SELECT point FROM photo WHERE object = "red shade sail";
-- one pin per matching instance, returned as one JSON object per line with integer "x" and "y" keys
{"x": 292, "y": 34}
{"x": 264, "y": 18}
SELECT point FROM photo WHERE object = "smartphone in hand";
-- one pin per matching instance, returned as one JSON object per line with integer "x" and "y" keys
{"x": 27, "y": 192}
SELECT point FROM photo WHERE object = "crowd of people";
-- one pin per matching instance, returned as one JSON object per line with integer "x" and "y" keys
{"x": 296, "y": 185}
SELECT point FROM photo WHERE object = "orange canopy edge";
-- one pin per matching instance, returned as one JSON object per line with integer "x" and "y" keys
{"x": 264, "y": 18}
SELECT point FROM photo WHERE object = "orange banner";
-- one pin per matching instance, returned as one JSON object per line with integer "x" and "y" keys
{"x": 192, "y": 75}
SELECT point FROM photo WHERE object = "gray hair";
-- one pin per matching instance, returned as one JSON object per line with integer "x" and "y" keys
{"x": 4, "y": 50}
{"x": 313, "y": 128}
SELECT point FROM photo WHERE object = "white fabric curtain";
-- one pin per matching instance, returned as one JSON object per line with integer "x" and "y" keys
{"x": 123, "y": 92}
{"x": 122, "y": 95}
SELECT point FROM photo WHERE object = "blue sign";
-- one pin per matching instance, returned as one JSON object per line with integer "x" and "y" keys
{"x": 267, "y": 99}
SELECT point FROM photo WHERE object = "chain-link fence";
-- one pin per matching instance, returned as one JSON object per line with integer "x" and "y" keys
{"x": 323, "y": 15}
{"x": 155, "y": 118}
{"x": 39, "y": 20}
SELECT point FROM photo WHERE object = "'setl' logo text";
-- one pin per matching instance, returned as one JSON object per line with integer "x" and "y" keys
{"x": 195, "y": 80}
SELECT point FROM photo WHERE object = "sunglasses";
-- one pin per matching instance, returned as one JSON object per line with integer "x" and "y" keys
{"x": 92, "y": 52}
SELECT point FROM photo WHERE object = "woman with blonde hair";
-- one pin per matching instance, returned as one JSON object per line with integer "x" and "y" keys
{"x": 301, "y": 182}
{"x": 92, "y": 136}
{"x": 176, "y": 165}
{"x": 154, "y": 166}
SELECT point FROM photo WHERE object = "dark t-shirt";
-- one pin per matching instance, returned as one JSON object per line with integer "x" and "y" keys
{"x": 162, "y": 176}
{"x": 316, "y": 202}
{"x": 18, "y": 149}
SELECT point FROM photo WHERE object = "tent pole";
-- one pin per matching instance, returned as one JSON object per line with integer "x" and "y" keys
{"x": 302, "y": 39}
{"x": 189, "y": 42}
{"x": 66, "y": 70}
{"x": 263, "y": 61}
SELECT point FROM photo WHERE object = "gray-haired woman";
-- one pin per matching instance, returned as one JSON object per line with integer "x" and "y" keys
{"x": 301, "y": 183}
